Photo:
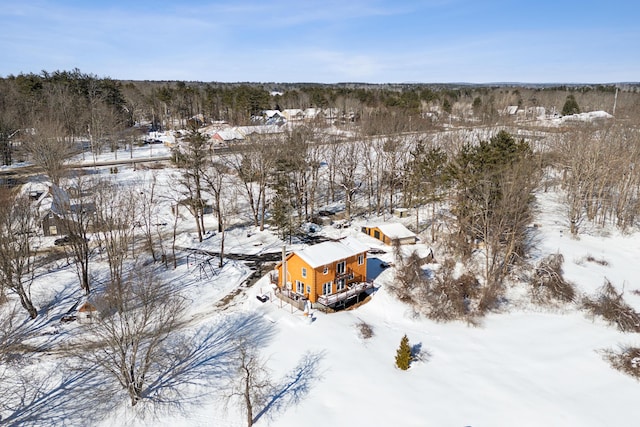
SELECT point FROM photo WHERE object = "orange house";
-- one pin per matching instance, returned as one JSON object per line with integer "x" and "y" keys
{"x": 327, "y": 274}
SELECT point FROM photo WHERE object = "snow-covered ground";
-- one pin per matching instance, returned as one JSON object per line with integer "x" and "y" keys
{"x": 586, "y": 117}
{"x": 526, "y": 366}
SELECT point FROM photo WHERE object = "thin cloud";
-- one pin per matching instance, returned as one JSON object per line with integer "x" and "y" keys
{"x": 330, "y": 41}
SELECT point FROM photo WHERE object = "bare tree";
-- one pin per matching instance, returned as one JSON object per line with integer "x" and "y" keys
{"x": 148, "y": 218}
{"x": 254, "y": 164}
{"x": 254, "y": 390}
{"x": 49, "y": 147}
{"x": 394, "y": 152}
{"x": 373, "y": 172}
{"x": 130, "y": 335}
{"x": 253, "y": 383}
{"x": 426, "y": 180}
{"x": 214, "y": 177}
{"x": 17, "y": 252}
{"x": 599, "y": 176}
{"x": 315, "y": 158}
{"x": 103, "y": 120}
{"x": 348, "y": 174}
{"x": 228, "y": 210}
{"x": 116, "y": 210}
{"x": 78, "y": 221}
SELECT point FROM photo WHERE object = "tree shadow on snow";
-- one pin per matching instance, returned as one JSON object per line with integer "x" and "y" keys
{"x": 193, "y": 365}
{"x": 294, "y": 387}
{"x": 69, "y": 399}
{"x": 198, "y": 362}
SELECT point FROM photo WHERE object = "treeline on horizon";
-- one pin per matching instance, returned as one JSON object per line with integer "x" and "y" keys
{"x": 76, "y": 104}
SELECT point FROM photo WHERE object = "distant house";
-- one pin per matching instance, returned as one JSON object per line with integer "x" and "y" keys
{"x": 59, "y": 211}
{"x": 328, "y": 275}
{"x": 390, "y": 232}
{"x": 86, "y": 313}
{"x": 293, "y": 114}
{"x": 313, "y": 114}
{"x": 54, "y": 208}
{"x": 510, "y": 110}
{"x": 53, "y": 224}
{"x": 227, "y": 136}
{"x": 272, "y": 114}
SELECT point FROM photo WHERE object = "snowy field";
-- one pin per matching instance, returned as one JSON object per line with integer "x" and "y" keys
{"x": 525, "y": 366}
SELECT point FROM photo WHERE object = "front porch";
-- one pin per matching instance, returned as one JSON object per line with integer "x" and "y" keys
{"x": 290, "y": 297}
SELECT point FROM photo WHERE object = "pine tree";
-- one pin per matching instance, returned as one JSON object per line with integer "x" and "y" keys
{"x": 570, "y": 106}
{"x": 403, "y": 354}
{"x": 446, "y": 106}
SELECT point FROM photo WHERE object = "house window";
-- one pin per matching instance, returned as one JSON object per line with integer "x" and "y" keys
{"x": 304, "y": 272}
{"x": 360, "y": 259}
{"x": 326, "y": 270}
{"x": 376, "y": 234}
{"x": 340, "y": 267}
{"x": 339, "y": 285}
{"x": 308, "y": 290}
{"x": 299, "y": 287}
{"x": 326, "y": 288}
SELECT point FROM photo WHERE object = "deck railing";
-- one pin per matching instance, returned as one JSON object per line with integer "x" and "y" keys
{"x": 351, "y": 291}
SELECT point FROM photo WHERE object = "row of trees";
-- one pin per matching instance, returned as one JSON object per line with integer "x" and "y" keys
{"x": 73, "y": 106}
{"x": 596, "y": 169}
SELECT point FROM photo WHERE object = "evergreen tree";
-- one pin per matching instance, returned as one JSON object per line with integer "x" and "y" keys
{"x": 446, "y": 106}
{"x": 570, "y": 106}
{"x": 403, "y": 354}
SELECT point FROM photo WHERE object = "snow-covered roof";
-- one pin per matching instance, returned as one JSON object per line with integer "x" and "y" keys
{"x": 272, "y": 113}
{"x": 312, "y": 113}
{"x": 394, "y": 230}
{"x": 589, "y": 116}
{"x": 292, "y": 113}
{"x": 228, "y": 134}
{"x": 327, "y": 252}
{"x": 261, "y": 129}
{"x": 511, "y": 109}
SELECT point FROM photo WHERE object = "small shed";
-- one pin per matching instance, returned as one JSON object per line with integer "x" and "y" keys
{"x": 390, "y": 232}
{"x": 87, "y": 312}
{"x": 401, "y": 212}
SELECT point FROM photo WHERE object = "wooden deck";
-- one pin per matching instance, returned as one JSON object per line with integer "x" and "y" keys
{"x": 353, "y": 290}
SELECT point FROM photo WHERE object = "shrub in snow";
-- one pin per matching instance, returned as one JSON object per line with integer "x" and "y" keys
{"x": 449, "y": 297}
{"x": 610, "y": 305}
{"x": 403, "y": 354}
{"x": 548, "y": 284}
{"x": 364, "y": 330}
{"x": 444, "y": 297}
{"x": 627, "y": 360}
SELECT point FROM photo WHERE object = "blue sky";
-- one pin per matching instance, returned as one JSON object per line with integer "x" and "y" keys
{"x": 329, "y": 41}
